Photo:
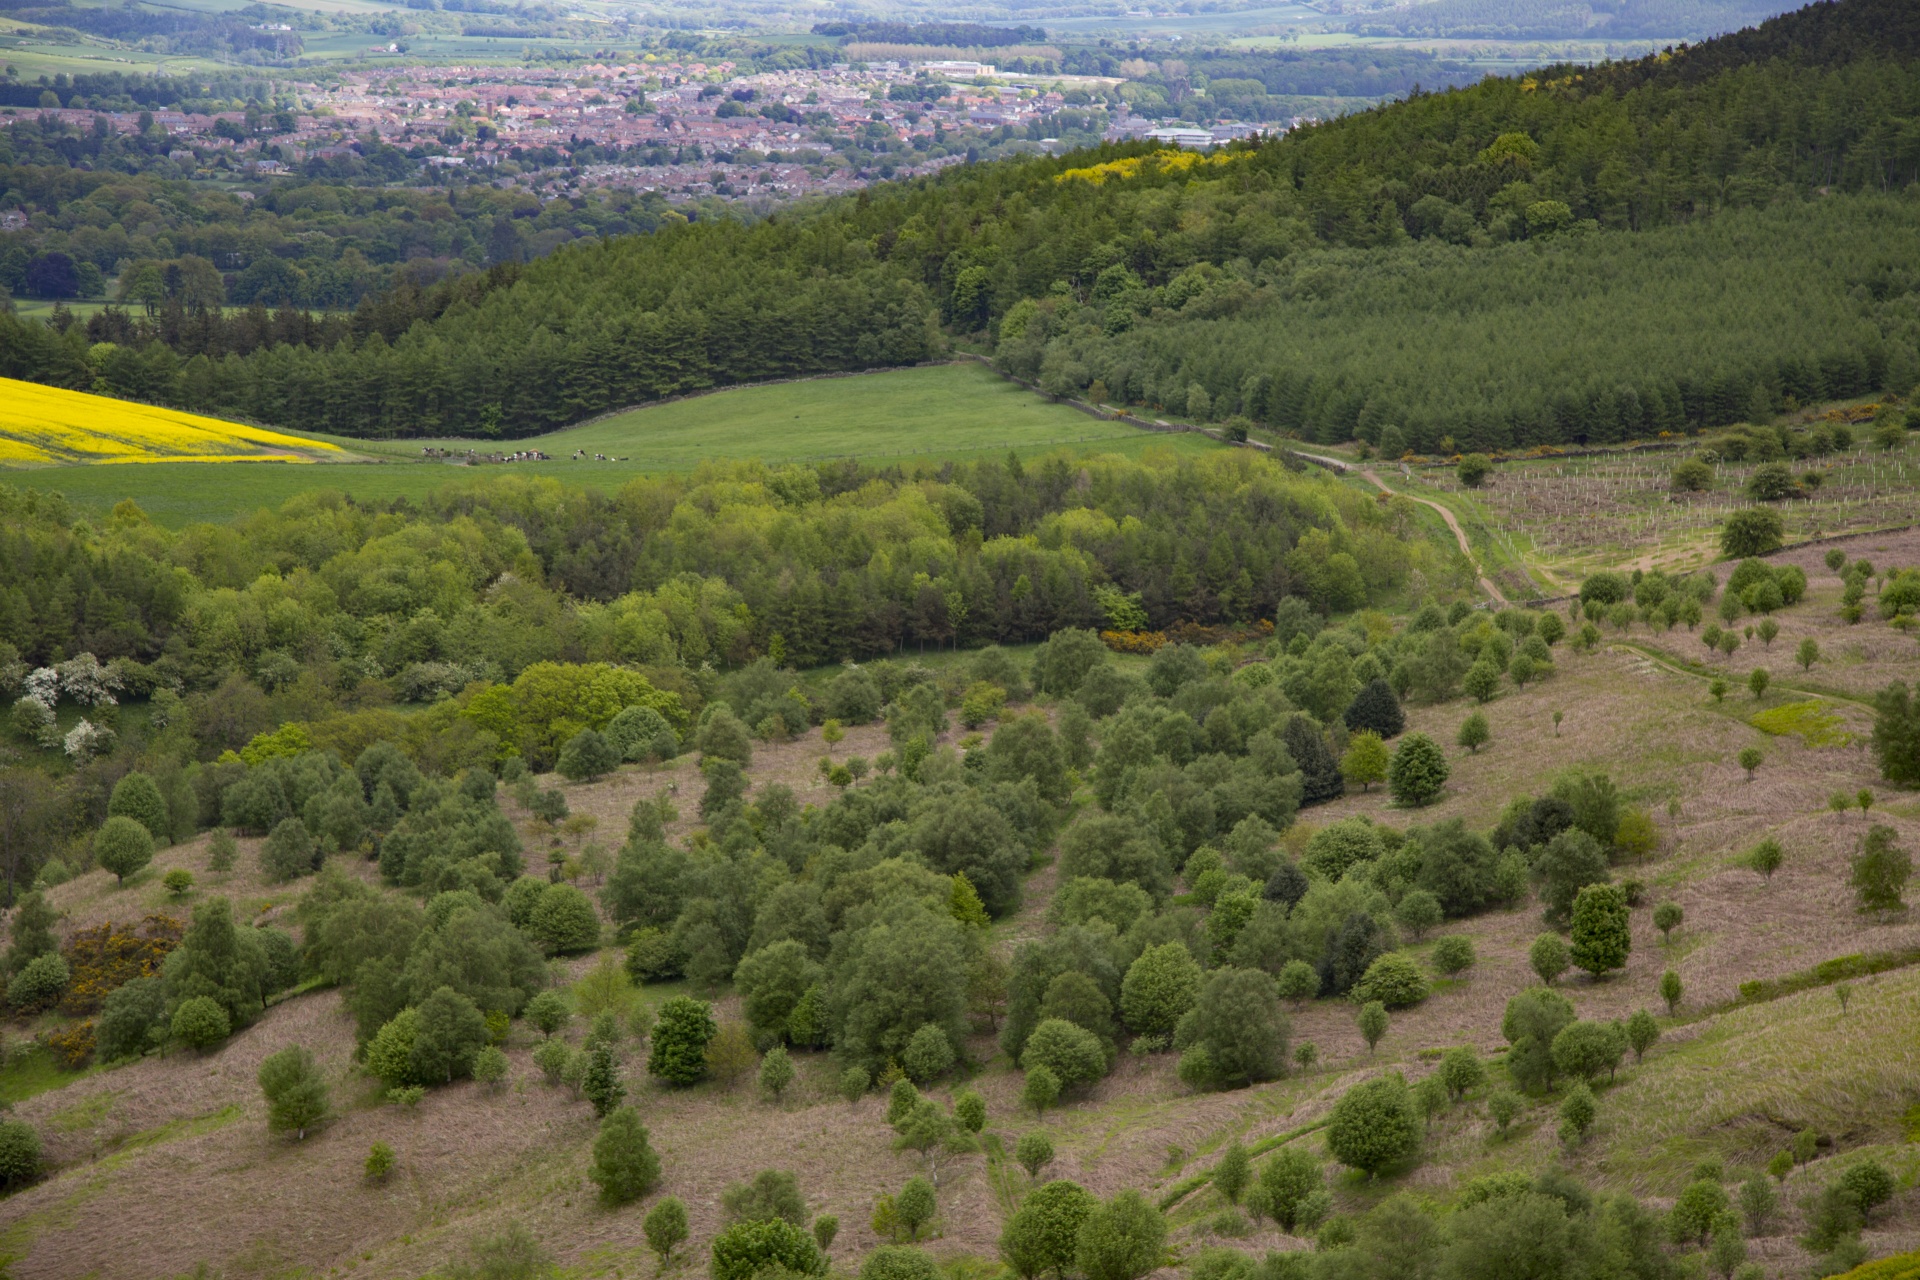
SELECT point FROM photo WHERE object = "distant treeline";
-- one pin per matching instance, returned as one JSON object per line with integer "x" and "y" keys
{"x": 1568, "y": 19}
{"x": 965, "y": 35}
{"x": 119, "y": 91}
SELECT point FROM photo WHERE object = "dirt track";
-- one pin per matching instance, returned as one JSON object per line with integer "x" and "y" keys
{"x": 1460, "y": 535}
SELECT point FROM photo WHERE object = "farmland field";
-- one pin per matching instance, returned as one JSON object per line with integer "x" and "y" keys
{"x": 902, "y": 416}
{"x": 42, "y": 425}
{"x": 943, "y": 411}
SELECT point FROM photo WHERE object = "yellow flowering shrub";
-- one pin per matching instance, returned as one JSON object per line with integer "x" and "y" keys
{"x": 1164, "y": 161}
{"x": 106, "y": 957}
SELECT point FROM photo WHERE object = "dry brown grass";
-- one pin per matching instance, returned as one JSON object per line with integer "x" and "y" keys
{"x": 1617, "y": 511}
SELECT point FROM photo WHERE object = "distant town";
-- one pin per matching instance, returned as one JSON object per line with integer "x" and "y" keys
{"x": 686, "y": 130}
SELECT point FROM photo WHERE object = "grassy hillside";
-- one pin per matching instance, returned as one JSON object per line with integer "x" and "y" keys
{"x": 959, "y": 412}
{"x": 948, "y": 411}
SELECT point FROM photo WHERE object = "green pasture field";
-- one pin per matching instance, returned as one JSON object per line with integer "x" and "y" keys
{"x": 958, "y": 411}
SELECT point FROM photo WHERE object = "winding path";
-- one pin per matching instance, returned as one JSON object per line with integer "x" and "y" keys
{"x": 1460, "y": 535}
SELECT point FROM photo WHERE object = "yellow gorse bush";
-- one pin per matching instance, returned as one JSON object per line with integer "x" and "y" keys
{"x": 1165, "y": 161}
{"x": 41, "y": 425}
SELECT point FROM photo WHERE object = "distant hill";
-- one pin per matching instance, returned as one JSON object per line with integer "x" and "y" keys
{"x": 1569, "y": 19}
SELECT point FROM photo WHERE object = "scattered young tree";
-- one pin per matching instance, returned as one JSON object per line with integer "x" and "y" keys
{"x": 1417, "y": 912}
{"x": 449, "y": 1031}
{"x": 1671, "y": 991}
{"x": 1504, "y": 1106}
{"x": 296, "y": 1092}
{"x": 1453, "y": 954}
{"x": 825, "y": 1228}
{"x": 1033, "y": 1152}
{"x": 901, "y": 1100}
{"x": 680, "y": 1039}
{"x": 1750, "y": 760}
{"x": 1481, "y": 682}
{"x": 1460, "y": 1071}
{"x": 1880, "y": 870}
{"x": 289, "y": 852}
{"x": 1041, "y": 1089}
{"x": 666, "y": 1229}
{"x": 776, "y": 1072}
{"x": 746, "y": 1249}
{"x": 1474, "y": 732}
{"x": 1758, "y": 1201}
{"x": 601, "y": 1084}
{"x": 1418, "y": 771}
{"x": 379, "y": 1163}
{"x": 1122, "y": 1239}
{"x": 1666, "y": 918}
{"x": 1896, "y": 735}
{"x": 914, "y": 1207}
{"x": 854, "y": 1083}
{"x": 1642, "y": 1031}
{"x": 1042, "y": 1236}
{"x": 491, "y": 1067}
{"x": 221, "y": 848}
{"x": 1768, "y": 630}
{"x": 1232, "y": 1172}
{"x": 1288, "y": 1178}
{"x": 1374, "y": 1124}
{"x": 123, "y": 847}
{"x": 771, "y": 1193}
{"x": 1072, "y": 1054}
{"x": 1373, "y": 1023}
{"x": 137, "y": 796}
{"x": 624, "y": 1166}
{"x": 1696, "y": 1210}
{"x": 1757, "y": 682}
{"x": 1577, "y": 1112}
{"x": 1366, "y": 760}
{"x": 1548, "y": 957}
{"x": 1752, "y": 531}
{"x": 1766, "y": 858}
{"x": 548, "y": 1012}
{"x": 928, "y": 1055}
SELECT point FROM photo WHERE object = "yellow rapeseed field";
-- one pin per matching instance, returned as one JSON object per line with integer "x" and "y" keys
{"x": 48, "y": 425}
